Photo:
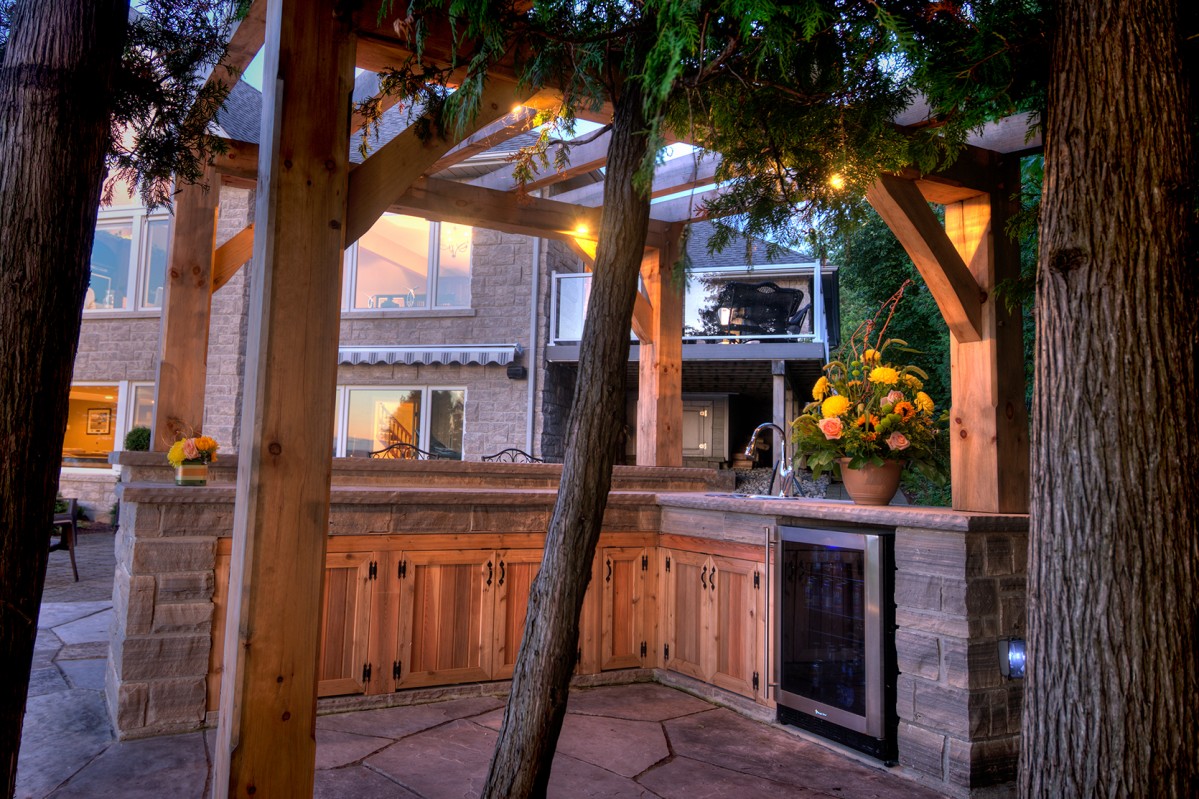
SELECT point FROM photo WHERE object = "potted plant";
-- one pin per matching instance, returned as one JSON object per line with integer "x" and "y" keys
{"x": 190, "y": 457}
{"x": 869, "y": 417}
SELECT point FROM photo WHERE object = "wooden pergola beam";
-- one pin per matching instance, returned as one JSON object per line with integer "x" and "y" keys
{"x": 231, "y": 255}
{"x": 498, "y": 132}
{"x": 905, "y": 210}
{"x": 387, "y": 173}
{"x": 583, "y": 158}
{"x": 674, "y": 176}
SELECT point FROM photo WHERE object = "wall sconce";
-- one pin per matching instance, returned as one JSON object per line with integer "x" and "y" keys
{"x": 1012, "y": 657}
{"x": 725, "y": 314}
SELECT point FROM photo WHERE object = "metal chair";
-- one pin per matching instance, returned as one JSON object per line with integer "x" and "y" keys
{"x": 65, "y": 524}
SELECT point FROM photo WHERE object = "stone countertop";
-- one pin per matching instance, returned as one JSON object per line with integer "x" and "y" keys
{"x": 225, "y": 493}
{"x": 803, "y": 511}
{"x": 782, "y": 511}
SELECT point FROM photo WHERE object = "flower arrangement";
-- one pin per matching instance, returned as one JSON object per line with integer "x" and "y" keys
{"x": 868, "y": 408}
{"x": 196, "y": 448}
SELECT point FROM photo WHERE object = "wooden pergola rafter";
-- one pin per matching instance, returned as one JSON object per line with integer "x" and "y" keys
{"x": 312, "y": 203}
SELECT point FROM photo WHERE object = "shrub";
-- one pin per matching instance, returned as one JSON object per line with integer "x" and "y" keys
{"x": 138, "y": 439}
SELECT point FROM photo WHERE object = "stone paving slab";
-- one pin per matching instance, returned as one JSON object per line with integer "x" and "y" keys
{"x": 87, "y": 630}
{"x": 398, "y": 722}
{"x": 63, "y": 731}
{"x": 169, "y": 767}
{"x": 54, "y": 614}
{"x": 686, "y": 749}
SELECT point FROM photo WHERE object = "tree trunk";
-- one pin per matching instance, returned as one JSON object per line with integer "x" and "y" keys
{"x": 1112, "y": 700}
{"x": 524, "y": 753}
{"x": 55, "y": 96}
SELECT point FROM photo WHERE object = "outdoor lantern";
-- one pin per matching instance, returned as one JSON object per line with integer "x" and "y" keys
{"x": 1012, "y": 657}
{"x": 725, "y": 314}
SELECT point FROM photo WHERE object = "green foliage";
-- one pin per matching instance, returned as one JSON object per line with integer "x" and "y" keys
{"x": 138, "y": 439}
{"x": 872, "y": 266}
{"x": 162, "y": 107}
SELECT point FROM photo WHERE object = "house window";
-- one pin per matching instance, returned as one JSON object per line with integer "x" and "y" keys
{"x": 128, "y": 263}
{"x": 372, "y": 418}
{"x": 92, "y": 426}
{"x": 141, "y": 411}
{"x": 404, "y": 262}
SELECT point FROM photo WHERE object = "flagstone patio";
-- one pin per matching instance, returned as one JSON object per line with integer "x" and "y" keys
{"x": 638, "y": 740}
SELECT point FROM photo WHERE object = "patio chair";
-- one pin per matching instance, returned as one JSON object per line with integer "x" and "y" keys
{"x": 65, "y": 525}
{"x": 760, "y": 309}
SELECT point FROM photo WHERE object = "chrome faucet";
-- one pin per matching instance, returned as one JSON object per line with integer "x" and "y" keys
{"x": 782, "y": 467}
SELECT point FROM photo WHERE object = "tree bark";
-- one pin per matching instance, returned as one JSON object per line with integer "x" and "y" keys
{"x": 520, "y": 766}
{"x": 55, "y": 96}
{"x": 1112, "y": 699}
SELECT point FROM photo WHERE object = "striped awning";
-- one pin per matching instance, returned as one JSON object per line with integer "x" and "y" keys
{"x": 501, "y": 354}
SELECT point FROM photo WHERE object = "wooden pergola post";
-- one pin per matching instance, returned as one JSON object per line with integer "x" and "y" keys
{"x": 186, "y": 307}
{"x": 988, "y": 420}
{"x": 962, "y": 262}
{"x": 660, "y": 364}
{"x": 266, "y": 734}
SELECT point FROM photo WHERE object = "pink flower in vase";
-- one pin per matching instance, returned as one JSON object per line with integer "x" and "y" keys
{"x": 189, "y": 450}
{"x": 831, "y": 427}
{"x": 898, "y": 441}
{"x": 892, "y": 397}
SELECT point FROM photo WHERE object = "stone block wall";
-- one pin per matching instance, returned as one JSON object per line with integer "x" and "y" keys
{"x": 162, "y": 616}
{"x": 227, "y": 329}
{"x": 957, "y": 593}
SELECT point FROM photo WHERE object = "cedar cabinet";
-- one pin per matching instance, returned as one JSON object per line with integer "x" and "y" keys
{"x": 712, "y": 619}
{"x": 345, "y": 625}
{"x": 625, "y": 580}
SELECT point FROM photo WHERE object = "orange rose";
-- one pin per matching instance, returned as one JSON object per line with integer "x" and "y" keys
{"x": 831, "y": 428}
{"x": 898, "y": 441}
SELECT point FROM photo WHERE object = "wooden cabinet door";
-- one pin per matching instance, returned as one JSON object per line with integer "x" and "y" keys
{"x": 686, "y": 620}
{"x": 514, "y": 575}
{"x": 345, "y": 624}
{"x": 445, "y": 617}
{"x": 622, "y": 621}
{"x": 736, "y": 608}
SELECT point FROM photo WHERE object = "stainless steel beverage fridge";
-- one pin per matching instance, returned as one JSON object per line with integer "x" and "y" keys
{"x": 835, "y": 635}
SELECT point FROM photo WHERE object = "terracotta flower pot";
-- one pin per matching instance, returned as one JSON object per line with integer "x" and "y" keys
{"x": 871, "y": 485}
{"x": 191, "y": 473}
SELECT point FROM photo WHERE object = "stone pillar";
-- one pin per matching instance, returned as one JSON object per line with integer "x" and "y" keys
{"x": 162, "y": 616}
{"x": 957, "y": 593}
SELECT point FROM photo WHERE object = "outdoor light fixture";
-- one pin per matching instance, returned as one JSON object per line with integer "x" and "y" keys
{"x": 836, "y": 181}
{"x": 726, "y": 314}
{"x": 1012, "y": 657}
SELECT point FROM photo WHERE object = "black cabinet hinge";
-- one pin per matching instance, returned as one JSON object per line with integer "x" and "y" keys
{"x": 755, "y": 681}
{"x": 756, "y": 580}
{"x": 668, "y": 563}
{"x": 396, "y": 670}
{"x": 645, "y": 563}
{"x": 402, "y": 569}
{"x": 366, "y": 672}
{"x": 666, "y": 651}
{"x": 372, "y": 571}
{"x": 644, "y": 649}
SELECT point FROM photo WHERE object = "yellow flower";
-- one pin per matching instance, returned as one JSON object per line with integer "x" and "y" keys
{"x": 834, "y": 406}
{"x": 821, "y": 389}
{"x": 871, "y": 356}
{"x": 924, "y": 402}
{"x": 206, "y": 444}
{"x": 175, "y": 456}
{"x": 885, "y": 375}
{"x": 905, "y": 410}
{"x": 911, "y": 381}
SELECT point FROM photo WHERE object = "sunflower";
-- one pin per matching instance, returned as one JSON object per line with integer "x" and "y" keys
{"x": 862, "y": 420}
{"x": 905, "y": 409}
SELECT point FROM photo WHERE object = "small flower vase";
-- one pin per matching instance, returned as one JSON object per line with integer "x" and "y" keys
{"x": 871, "y": 485}
{"x": 191, "y": 473}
